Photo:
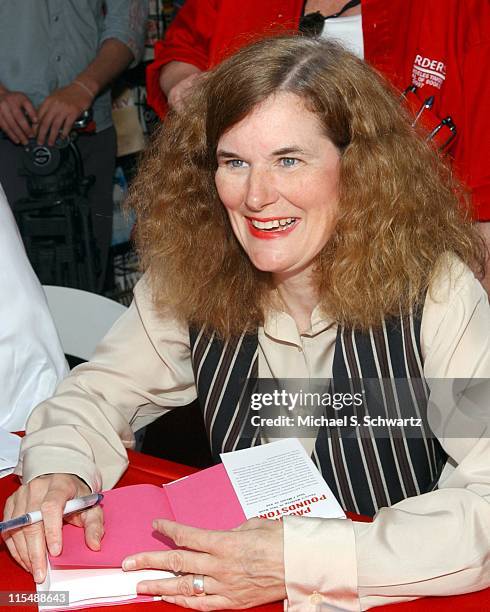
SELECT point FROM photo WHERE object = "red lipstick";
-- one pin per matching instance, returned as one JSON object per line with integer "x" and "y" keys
{"x": 271, "y": 233}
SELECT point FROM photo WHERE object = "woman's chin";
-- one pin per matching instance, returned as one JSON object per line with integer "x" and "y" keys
{"x": 272, "y": 265}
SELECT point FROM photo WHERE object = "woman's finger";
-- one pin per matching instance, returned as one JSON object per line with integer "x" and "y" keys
{"x": 191, "y": 537}
{"x": 93, "y": 524}
{"x": 50, "y": 496}
{"x": 177, "y": 561}
{"x": 7, "y": 537}
{"x": 182, "y": 585}
{"x": 17, "y": 537}
{"x": 52, "y": 511}
{"x": 9, "y": 543}
{"x": 36, "y": 548}
{"x": 209, "y": 602}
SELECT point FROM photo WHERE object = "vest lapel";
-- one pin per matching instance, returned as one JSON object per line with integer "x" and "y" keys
{"x": 365, "y": 472}
{"x": 225, "y": 374}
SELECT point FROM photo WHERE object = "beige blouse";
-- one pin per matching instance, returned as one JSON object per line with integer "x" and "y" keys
{"x": 434, "y": 544}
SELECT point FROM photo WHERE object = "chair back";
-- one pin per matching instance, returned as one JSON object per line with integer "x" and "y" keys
{"x": 81, "y": 318}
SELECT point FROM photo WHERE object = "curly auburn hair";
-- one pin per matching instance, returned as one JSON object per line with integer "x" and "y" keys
{"x": 400, "y": 208}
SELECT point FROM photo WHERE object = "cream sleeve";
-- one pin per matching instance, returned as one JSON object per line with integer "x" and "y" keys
{"x": 140, "y": 370}
{"x": 434, "y": 544}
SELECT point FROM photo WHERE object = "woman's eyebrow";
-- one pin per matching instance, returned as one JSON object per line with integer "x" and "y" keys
{"x": 222, "y": 154}
{"x": 293, "y": 149}
{"x": 289, "y": 150}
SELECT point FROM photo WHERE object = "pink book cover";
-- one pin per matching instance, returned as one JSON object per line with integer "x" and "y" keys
{"x": 205, "y": 499}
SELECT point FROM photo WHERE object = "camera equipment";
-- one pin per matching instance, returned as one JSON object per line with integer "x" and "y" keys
{"x": 55, "y": 220}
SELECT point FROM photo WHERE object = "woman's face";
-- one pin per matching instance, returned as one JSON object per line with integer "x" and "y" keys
{"x": 278, "y": 178}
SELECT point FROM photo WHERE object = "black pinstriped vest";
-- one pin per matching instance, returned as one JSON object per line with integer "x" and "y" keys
{"x": 365, "y": 472}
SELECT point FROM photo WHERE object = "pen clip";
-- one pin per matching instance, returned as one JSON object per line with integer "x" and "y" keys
{"x": 448, "y": 123}
{"x": 427, "y": 104}
{"x": 412, "y": 89}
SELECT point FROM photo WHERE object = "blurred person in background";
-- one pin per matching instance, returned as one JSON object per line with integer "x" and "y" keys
{"x": 58, "y": 60}
{"x": 31, "y": 359}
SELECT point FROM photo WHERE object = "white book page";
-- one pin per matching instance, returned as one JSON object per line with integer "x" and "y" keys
{"x": 96, "y": 585}
{"x": 277, "y": 479}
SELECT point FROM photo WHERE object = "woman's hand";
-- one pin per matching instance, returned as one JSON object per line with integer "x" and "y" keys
{"x": 49, "y": 494}
{"x": 242, "y": 568}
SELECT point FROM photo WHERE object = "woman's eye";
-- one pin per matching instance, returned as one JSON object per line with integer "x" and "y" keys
{"x": 289, "y": 162}
{"x": 236, "y": 163}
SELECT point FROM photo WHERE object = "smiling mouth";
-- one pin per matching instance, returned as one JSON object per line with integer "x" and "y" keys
{"x": 272, "y": 225}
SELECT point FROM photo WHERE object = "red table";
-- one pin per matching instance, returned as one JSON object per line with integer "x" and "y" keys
{"x": 146, "y": 469}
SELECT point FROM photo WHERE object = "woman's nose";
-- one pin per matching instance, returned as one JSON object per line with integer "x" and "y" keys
{"x": 260, "y": 190}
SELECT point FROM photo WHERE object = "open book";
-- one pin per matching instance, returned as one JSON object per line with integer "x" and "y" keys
{"x": 268, "y": 481}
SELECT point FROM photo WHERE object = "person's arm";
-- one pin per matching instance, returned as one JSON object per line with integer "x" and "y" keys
{"x": 433, "y": 544}
{"x": 187, "y": 45}
{"x": 121, "y": 43}
{"x": 141, "y": 369}
{"x": 176, "y": 81}
{"x": 63, "y": 106}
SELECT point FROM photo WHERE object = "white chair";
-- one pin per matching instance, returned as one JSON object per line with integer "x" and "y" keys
{"x": 81, "y": 318}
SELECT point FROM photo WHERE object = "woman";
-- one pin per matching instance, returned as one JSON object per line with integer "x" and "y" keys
{"x": 442, "y": 51}
{"x": 292, "y": 226}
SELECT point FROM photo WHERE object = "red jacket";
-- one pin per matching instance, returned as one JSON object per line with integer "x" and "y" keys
{"x": 442, "y": 46}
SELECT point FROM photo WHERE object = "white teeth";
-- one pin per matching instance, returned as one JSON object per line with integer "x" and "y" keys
{"x": 279, "y": 224}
